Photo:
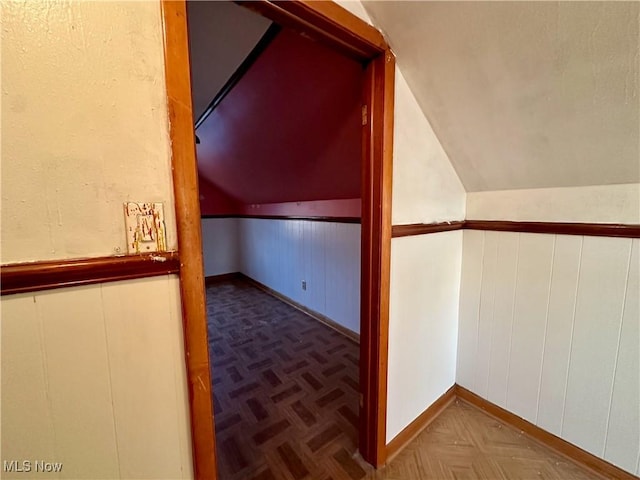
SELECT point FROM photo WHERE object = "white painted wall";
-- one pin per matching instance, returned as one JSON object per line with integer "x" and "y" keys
{"x": 84, "y": 126}
{"x": 425, "y": 270}
{"x": 426, "y": 188}
{"x": 282, "y": 253}
{"x": 93, "y": 377}
{"x": 220, "y": 245}
{"x": 550, "y": 330}
{"x": 423, "y": 331}
{"x": 598, "y": 204}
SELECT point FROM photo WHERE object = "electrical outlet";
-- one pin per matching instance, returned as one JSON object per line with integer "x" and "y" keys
{"x": 304, "y": 285}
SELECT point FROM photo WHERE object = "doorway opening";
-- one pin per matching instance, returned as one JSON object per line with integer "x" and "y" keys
{"x": 279, "y": 163}
{"x": 332, "y": 26}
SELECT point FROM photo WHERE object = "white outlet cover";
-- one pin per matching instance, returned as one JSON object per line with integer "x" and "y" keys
{"x": 144, "y": 223}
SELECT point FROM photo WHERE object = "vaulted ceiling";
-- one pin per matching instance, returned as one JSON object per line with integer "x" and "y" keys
{"x": 221, "y": 35}
{"x": 524, "y": 94}
{"x": 520, "y": 95}
{"x": 289, "y": 130}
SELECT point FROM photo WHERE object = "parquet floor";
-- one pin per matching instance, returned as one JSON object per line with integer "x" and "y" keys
{"x": 286, "y": 403}
{"x": 285, "y": 389}
{"x": 465, "y": 443}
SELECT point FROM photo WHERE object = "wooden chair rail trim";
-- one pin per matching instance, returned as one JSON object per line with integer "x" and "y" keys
{"x": 292, "y": 217}
{"x": 424, "y": 228}
{"x": 555, "y": 228}
{"x": 558, "y": 228}
{"x": 35, "y": 276}
{"x": 564, "y": 448}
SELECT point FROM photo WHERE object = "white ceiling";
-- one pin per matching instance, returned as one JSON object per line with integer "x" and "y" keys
{"x": 524, "y": 94}
{"x": 221, "y": 35}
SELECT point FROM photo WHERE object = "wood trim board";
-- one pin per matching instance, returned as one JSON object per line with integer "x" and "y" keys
{"x": 326, "y": 22}
{"x": 557, "y": 228}
{"x": 411, "y": 431}
{"x": 187, "y": 205}
{"x": 425, "y": 228}
{"x": 553, "y": 228}
{"x": 353, "y": 336}
{"x": 568, "y": 450}
{"x": 36, "y": 276}
{"x": 573, "y": 453}
{"x": 292, "y": 217}
{"x": 337, "y": 28}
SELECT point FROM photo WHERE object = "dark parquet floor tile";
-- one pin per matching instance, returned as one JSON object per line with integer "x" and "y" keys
{"x": 286, "y": 394}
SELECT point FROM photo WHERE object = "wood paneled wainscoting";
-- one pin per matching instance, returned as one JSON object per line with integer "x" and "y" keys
{"x": 547, "y": 335}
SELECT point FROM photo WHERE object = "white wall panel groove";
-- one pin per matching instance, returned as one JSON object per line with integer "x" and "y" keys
{"x": 281, "y": 254}
{"x": 94, "y": 377}
{"x": 423, "y": 324}
{"x": 568, "y": 306}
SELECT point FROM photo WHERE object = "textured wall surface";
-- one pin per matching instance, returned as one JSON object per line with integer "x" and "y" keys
{"x": 549, "y": 330}
{"x": 600, "y": 203}
{"x": 524, "y": 94}
{"x": 426, "y": 188}
{"x": 93, "y": 377}
{"x": 84, "y": 126}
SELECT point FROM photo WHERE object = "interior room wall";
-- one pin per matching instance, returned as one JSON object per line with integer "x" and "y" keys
{"x": 220, "y": 245}
{"x": 426, "y": 189}
{"x": 281, "y": 254}
{"x": 85, "y": 123}
{"x": 549, "y": 331}
{"x": 93, "y": 376}
{"x": 425, "y": 269}
{"x": 593, "y": 204}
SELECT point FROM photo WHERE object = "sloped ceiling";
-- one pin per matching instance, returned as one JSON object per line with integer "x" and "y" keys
{"x": 524, "y": 94}
{"x": 221, "y": 35}
{"x": 290, "y": 128}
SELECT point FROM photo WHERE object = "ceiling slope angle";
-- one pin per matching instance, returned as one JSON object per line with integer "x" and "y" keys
{"x": 221, "y": 35}
{"x": 524, "y": 94}
{"x": 289, "y": 130}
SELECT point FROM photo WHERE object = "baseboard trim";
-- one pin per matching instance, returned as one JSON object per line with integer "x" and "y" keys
{"x": 411, "y": 431}
{"x": 566, "y": 449}
{"x": 223, "y": 277}
{"x": 313, "y": 314}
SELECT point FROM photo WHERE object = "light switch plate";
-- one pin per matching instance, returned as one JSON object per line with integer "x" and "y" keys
{"x": 145, "y": 227}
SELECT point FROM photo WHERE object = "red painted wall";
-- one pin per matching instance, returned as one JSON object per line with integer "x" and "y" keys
{"x": 214, "y": 201}
{"x": 317, "y": 208}
{"x": 288, "y": 132}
